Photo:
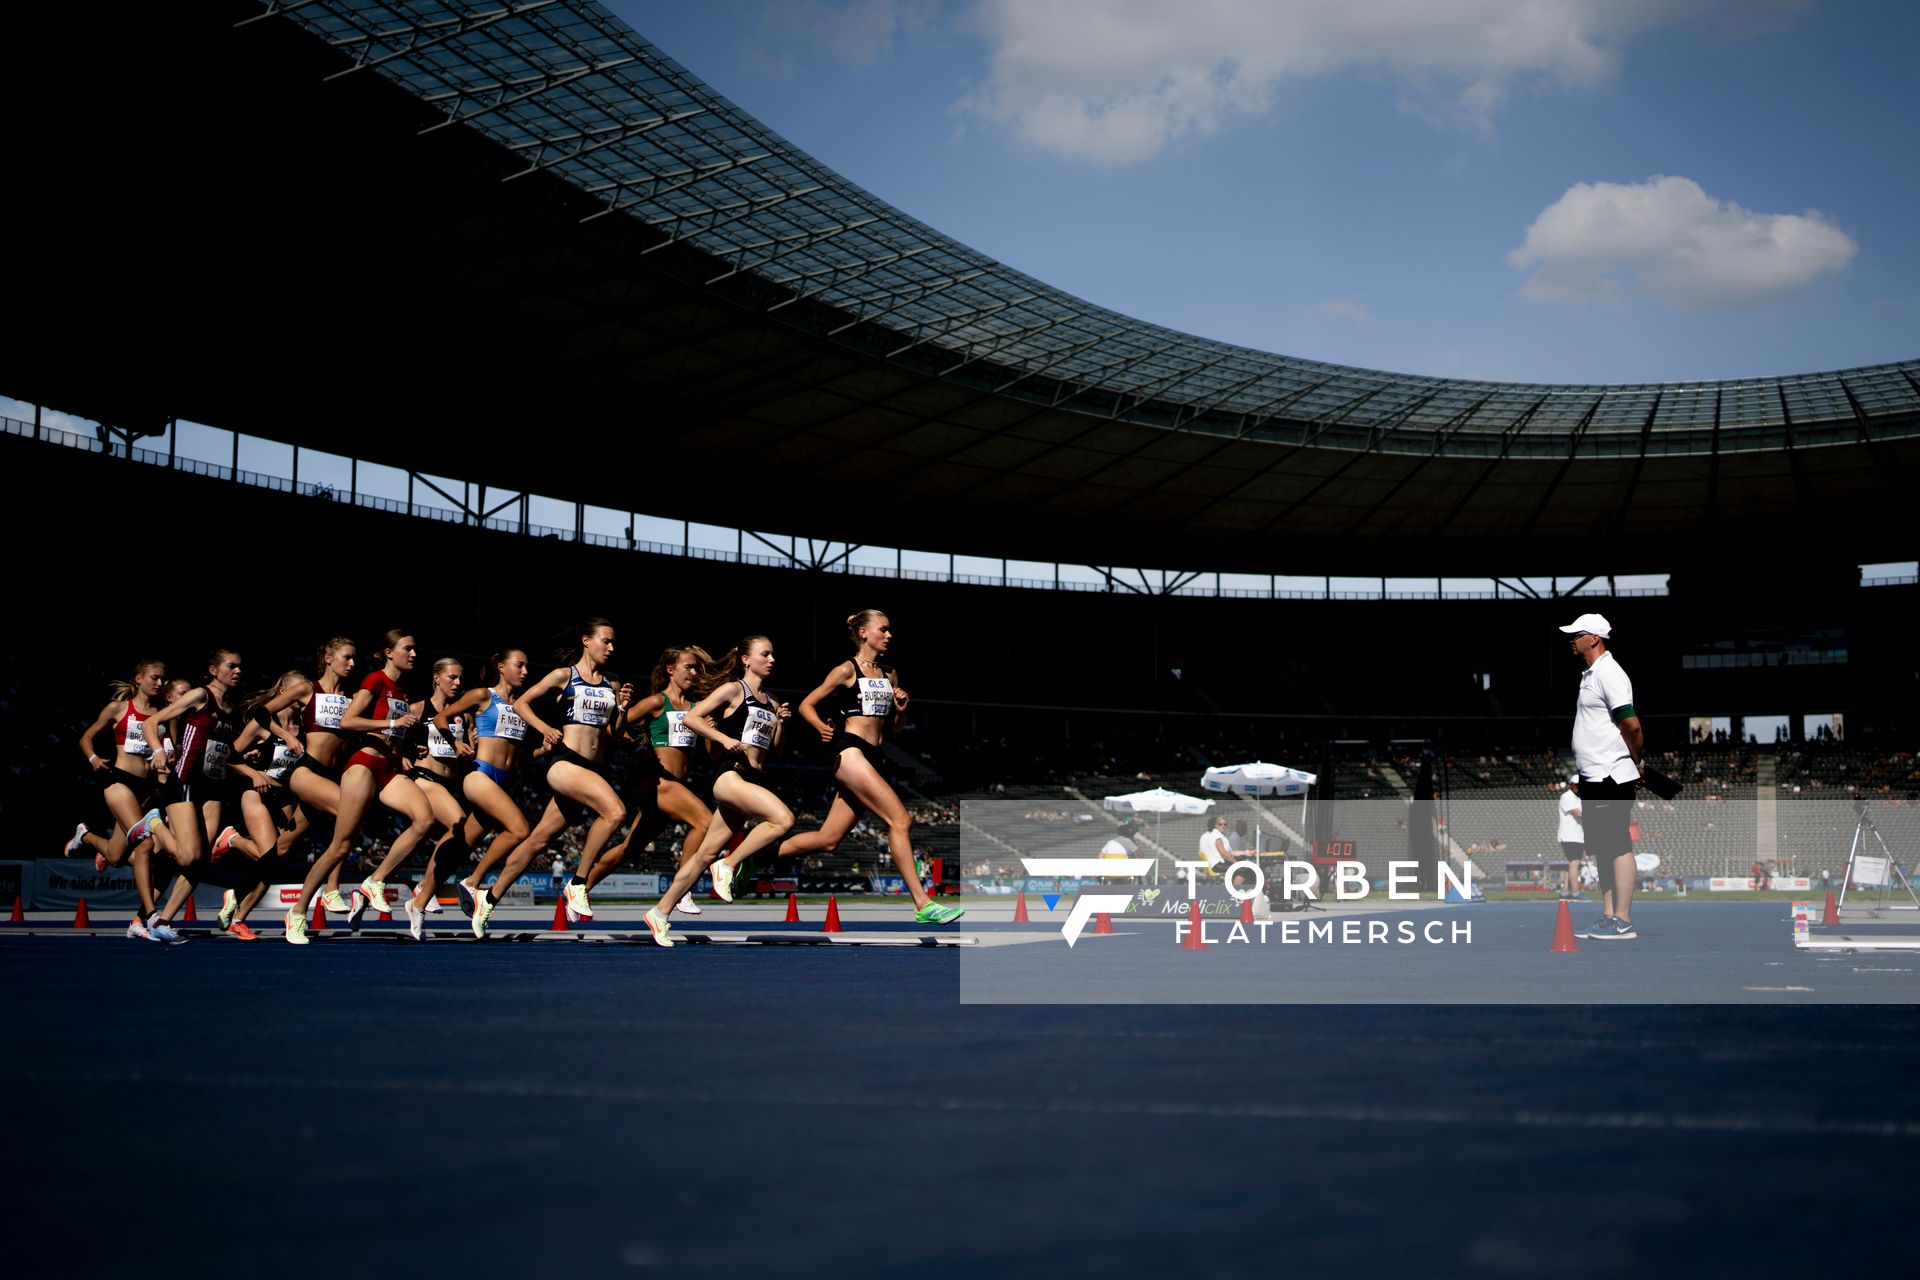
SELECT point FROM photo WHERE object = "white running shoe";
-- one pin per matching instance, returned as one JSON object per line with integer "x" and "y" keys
{"x": 296, "y": 928}
{"x": 662, "y": 931}
{"x": 687, "y": 907}
{"x": 376, "y": 891}
{"x": 722, "y": 880}
{"x": 79, "y": 838}
{"x": 416, "y": 922}
{"x": 578, "y": 908}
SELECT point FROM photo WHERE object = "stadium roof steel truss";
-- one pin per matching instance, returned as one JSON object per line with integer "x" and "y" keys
{"x": 573, "y": 91}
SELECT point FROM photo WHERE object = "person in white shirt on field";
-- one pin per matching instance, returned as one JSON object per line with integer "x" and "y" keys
{"x": 1573, "y": 840}
{"x": 1607, "y": 742}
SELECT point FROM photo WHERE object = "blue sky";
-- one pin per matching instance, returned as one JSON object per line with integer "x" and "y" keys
{"x": 1538, "y": 190}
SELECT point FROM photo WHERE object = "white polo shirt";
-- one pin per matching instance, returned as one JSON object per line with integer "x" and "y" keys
{"x": 1214, "y": 847}
{"x": 1571, "y": 831}
{"x": 1597, "y": 745}
{"x": 1119, "y": 847}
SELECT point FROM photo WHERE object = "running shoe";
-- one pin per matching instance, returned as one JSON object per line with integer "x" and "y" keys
{"x": 1621, "y": 931}
{"x": 240, "y": 930}
{"x": 578, "y": 908}
{"x": 1603, "y": 925}
{"x": 79, "y": 838}
{"x": 465, "y": 892}
{"x": 140, "y": 830}
{"x": 687, "y": 907}
{"x": 333, "y": 902}
{"x": 416, "y": 922}
{"x": 224, "y": 842}
{"x": 376, "y": 891}
{"x": 722, "y": 880}
{"x": 296, "y": 928}
{"x": 934, "y": 913}
{"x": 483, "y": 905}
{"x": 138, "y": 929}
{"x": 229, "y": 907}
{"x": 357, "y": 911}
{"x": 657, "y": 923}
{"x": 161, "y": 931}
{"x": 433, "y": 907}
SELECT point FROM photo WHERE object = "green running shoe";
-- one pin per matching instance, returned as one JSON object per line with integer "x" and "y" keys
{"x": 934, "y": 913}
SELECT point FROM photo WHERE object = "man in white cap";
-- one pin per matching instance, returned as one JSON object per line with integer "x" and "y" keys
{"x": 1573, "y": 840}
{"x": 1606, "y": 745}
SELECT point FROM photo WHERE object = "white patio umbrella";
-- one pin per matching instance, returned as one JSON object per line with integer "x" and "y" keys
{"x": 1259, "y": 779}
{"x": 1158, "y": 802}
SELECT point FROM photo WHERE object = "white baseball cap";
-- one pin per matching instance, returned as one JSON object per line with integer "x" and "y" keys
{"x": 1572, "y": 778}
{"x": 1592, "y": 623}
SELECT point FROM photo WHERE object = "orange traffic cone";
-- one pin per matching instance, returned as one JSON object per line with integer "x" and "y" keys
{"x": 1246, "y": 911}
{"x": 560, "y": 924}
{"x": 1103, "y": 923}
{"x": 1563, "y": 932}
{"x": 1832, "y": 914}
{"x": 1020, "y": 910}
{"x": 80, "y": 917}
{"x": 188, "y": 914}
{"x": 1195, "y": 941}
{"x": 319, "y": 924}
{"x": 833, "y": 916}
{"x": 793, "y": 909}
{"x": 19, "y": 912}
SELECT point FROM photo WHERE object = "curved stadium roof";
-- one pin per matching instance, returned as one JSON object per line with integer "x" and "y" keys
{"x": 859, "y": 345}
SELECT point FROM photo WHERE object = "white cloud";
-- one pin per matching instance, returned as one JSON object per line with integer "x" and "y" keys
{"x": 51, "y": 419}
{"x": 1346, "y": 309}
{"x": 857, "y": 33}
{"x": 1667, "y": 238}
{"x": 1114, "y": 81}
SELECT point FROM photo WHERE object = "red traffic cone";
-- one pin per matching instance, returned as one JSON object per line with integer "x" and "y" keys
{"x": 1563, "y": 932}
{"x": 1020, "y": 910}
{"x": 319, "y": 923}
{"x": 793, "y": 909}
{"x": 1832, "y": 913}
{"x": 188, "y": 914}
{"x": 1103, "y": 923}
{"x": 19, "y": 912}
{"x": 80, "y": 918}
{"x": 833, "y": 916}
{"x": 560, "y": 924}
{"x": 1246, "y": 911}
{"x": 387, "y": 916}
{"x": 1195, "y": 941}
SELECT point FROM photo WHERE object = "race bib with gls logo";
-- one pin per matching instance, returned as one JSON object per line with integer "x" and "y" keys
{"x": 876, "y": 696}
{"x": 758, "y": 730}
{"x": 592, "y": 704}
{"x": 678, "y": 735}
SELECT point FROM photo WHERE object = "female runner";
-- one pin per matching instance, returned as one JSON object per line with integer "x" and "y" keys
{"x": 661, "y": 717}
{"x": 209, "y": 784}
{"x": 740, "y": 720}
{"x": 440, "y": 772}
{"x": 863, "y": 698}
{"x": 577, "y": 754}
{"x": 127, "y": 783}
{"x": 499, "y": 735}
{"x": 378, "y": 716}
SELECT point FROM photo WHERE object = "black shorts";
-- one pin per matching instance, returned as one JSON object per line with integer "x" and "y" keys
{"x": 202, "y": 791}
{"x": 572, "y": 810}
{"x": 306, "y": 761}
{"x": 1572, "y": 850}
{"x": 1606, "y": 813}
{"x": 143, "y": 788}
{"x": 454, "y": 785}
{"x": 844, "y": 741}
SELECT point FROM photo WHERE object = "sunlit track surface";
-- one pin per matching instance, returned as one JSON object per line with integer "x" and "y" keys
{"x": 746, "y": 1110}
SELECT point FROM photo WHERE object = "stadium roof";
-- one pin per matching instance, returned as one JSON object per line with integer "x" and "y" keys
{"x": 497, "y": 227}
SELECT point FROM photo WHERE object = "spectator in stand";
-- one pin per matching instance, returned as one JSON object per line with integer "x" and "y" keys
{"x": 1237, "y": 841}
{"x": 1573, "y": 840}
